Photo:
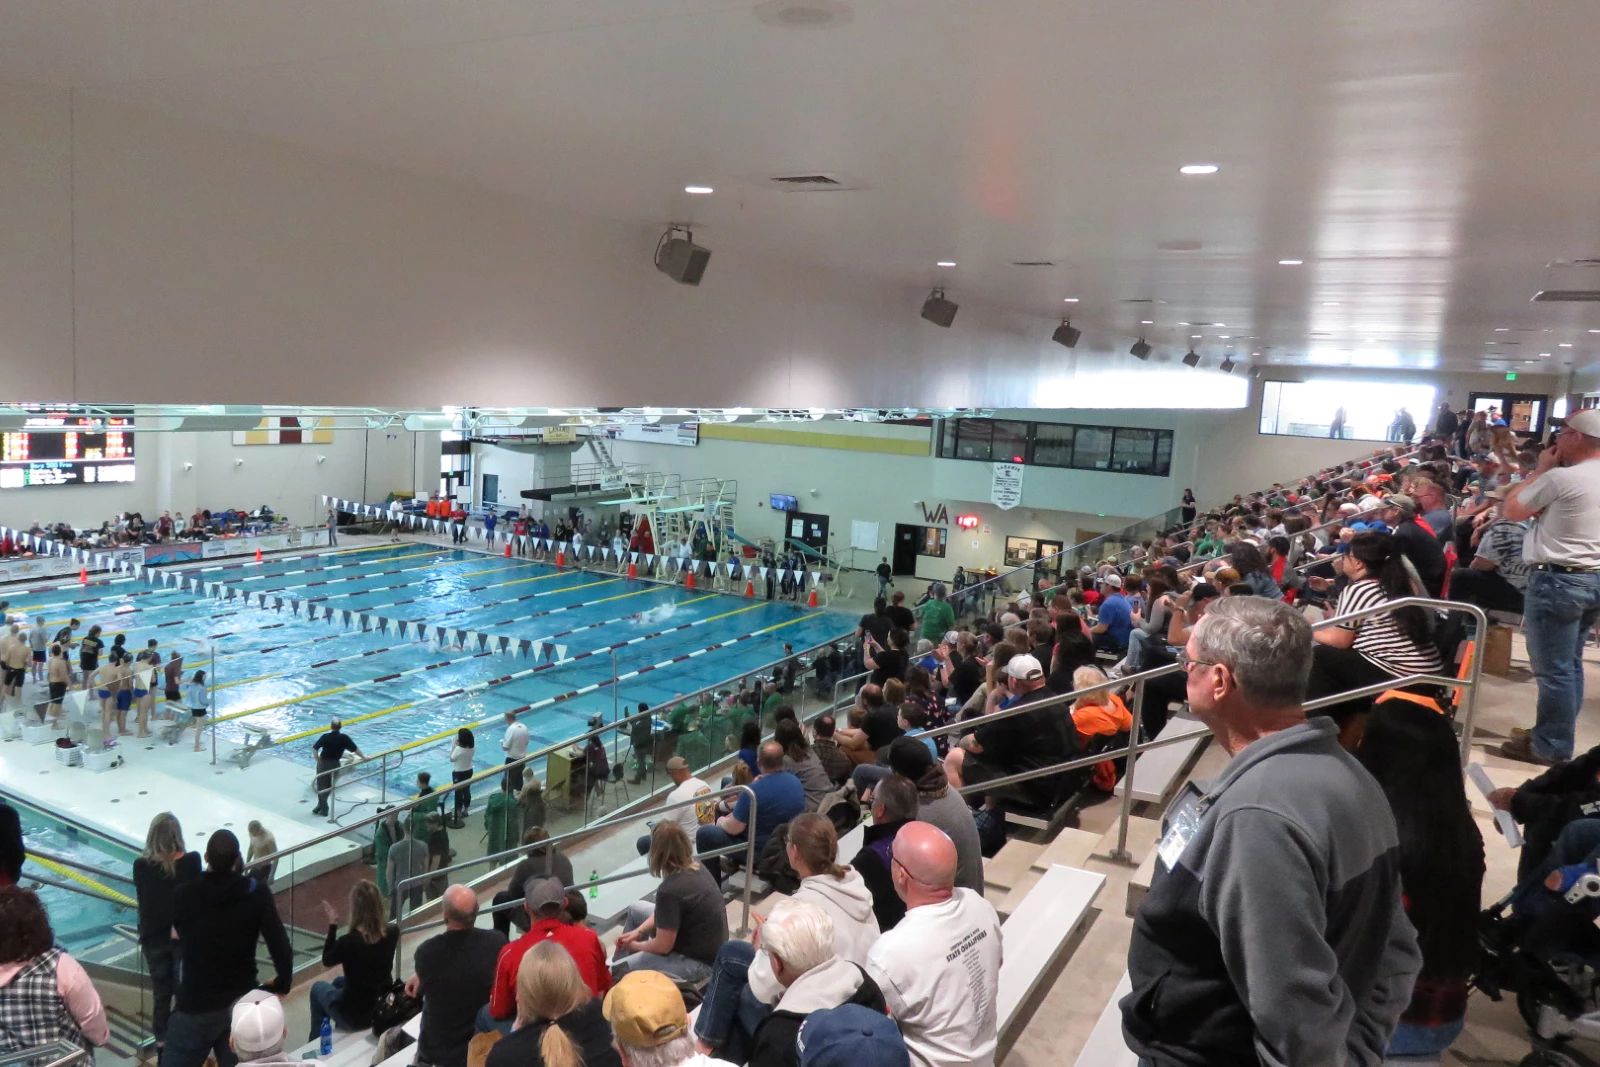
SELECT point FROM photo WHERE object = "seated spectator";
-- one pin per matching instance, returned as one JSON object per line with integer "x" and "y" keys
{"x": 650, "y": 1024}
{"x": 743, "y": 986}
{"x": 834, "y": 762}
{"x": 893, "y": 804}
{"x": 681, "y": 933}
{"x": 851, "y": 1036}
{"x": 939, "y": 968}
{"x": 454, "y": 977}
{"x": 259, "y": 1029}
{"x": 544, "y": 862}
{"x": 685, "y": 787}
{"x": 1253, "y": 569}
{"x": 797, "y": 942}
{"x": 1114, "y": 620}
{"x": 779, "y": 798}
{"x": 802, "y": 762}
{"x": 1547, "y": 804}
{"x": 45, "y": 994}
{"x": 367, "y": 955}
{"x": 546, "y": 902}
{"x": 942, "y": 806}
{"x": 559, "y": 1023}
{"x": 749, "y": 742}
{"x": 1497, "y": 578}
{"x": 1027, "y": 741}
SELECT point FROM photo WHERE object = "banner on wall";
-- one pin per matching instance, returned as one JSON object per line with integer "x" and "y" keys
{"x": 1005, "y": 486}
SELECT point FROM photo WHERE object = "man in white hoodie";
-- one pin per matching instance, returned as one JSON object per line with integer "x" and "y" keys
{"x": 798, "y": 943}
{"x": 743, "y": 986}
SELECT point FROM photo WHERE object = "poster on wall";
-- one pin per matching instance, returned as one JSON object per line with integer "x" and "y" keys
{"x": 1005, "y": 488}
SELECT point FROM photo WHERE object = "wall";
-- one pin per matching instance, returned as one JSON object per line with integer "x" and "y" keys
{"x": 358, "y": 465}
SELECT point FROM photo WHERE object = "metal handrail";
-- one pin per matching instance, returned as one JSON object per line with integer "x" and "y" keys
{"x": 1198, "y": 564}
{"x": 98, "y": 872}
{"x": 65, "y": 1052}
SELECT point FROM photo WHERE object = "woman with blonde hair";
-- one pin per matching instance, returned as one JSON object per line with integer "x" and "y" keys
{"x": 158, "y": 871}
{"x": 367, "y": 954}
{"x": 559, "y": 1022}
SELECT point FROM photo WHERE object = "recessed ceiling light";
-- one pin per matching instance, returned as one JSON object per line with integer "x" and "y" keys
{"x": 1147, "y": 322}
{"x": 1507, "y": 329}
{"x": 698, "y": 190}
{"x": 1069, "y": 300}
{"x": 1330, "y": 303}
{"x": 1194, "y": 336}
{"x": 1198, "y": 168}
{"x": 1594, "y": 331}
{"x": 946, "y": 263}
{"x": 1542, "y": 355}
{"x": 1290, "y": 262}
{"x": 1224, "y": 336}
{"x": 1565, "y": 344}
{"x": 1183, "y": 324}
{"x": 1491, "y": 342}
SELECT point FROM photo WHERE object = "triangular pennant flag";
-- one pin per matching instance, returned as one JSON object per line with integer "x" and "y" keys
{"x": 505, "y": 643}
{"x": 816, "y": 576}
{"x": 524, "y": 647}
{"x": 383, "y": 624}
{"x": 402, "y": 625}
{"x": 365, "y": 623}
{"x": 277, "y": 603}
{"x": 483, "y": 639}
{"x": 729, "y": 566}
{"x": 633, "y": 557}
{"x": 561, "y": 653}
{"x": 761, "y": 572}
{"x": 344, "y": 617}
{"x": 649, "y": 559}
{"x": 461, "y": 638}
{"x": 546, "y": 650}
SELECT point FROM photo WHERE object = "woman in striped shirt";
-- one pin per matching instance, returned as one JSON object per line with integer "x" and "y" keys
{"x": 1379, "y": 647}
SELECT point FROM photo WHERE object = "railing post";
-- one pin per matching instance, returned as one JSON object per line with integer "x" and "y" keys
{"x": 1469, "y": 700}
{"x": 749, "y": 866}
{"x": 1121, "y": 853}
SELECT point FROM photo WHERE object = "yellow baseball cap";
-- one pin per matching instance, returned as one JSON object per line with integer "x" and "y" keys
{"x": 645, "y": 1009}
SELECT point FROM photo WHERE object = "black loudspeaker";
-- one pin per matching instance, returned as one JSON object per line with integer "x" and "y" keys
{"x": 1066, "y": 335}
{"x": 683, "y": 261}
{"x": 1226, "y": 367}
{"x": 1192, "y": 359}
{"x": 939, "y": 311}
{"x": 1140, "y": 350}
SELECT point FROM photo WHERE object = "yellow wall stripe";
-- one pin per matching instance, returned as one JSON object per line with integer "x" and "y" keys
{"x": 768, "y": 435}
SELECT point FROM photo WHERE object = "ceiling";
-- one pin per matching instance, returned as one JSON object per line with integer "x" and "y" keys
{"x": 1427, "y": 160}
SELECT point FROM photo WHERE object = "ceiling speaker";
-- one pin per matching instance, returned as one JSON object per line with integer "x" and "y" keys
{"x": 1140, "y": 350}
{"x": 680, "y": 259}
{"x": 1226, "y": 367}
{"x": 1066, "y": 335}
{"x": 939, "y": 311}
{"x": 1192, "y": 359}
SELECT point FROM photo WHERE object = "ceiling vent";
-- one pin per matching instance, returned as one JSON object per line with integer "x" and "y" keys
{"x": 1567, "y": 296}
{"x": 1180, "y": 245}
{"x": 812, "y": 182}
{"x": 1144, "y": 300}
{"x": 1586, "y": 261}
{"x": 1032, "y": 263}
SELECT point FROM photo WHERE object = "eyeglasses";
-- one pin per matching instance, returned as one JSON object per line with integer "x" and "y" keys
{"x": 896, "y": 861}
{"x": 1187, "y": 661}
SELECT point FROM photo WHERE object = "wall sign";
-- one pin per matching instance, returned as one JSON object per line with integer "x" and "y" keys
{"x": 937, "y": 516}
{"x": 1005, "y": 487}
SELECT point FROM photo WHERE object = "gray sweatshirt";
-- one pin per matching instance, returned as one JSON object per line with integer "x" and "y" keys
{"x": 1273, "y": 931}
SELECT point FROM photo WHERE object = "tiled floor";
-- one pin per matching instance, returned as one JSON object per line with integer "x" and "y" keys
{"x": 1066, "y": 1011}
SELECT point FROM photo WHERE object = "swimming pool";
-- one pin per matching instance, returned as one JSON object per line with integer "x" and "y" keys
{"x": 81, "y": 917}
{"x": 290, "y": 675}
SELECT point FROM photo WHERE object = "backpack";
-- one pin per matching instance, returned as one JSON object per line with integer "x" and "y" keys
{"x": 772, "y": 866}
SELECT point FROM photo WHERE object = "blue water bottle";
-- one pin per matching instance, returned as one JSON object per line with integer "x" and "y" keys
{"x": 325, "y": 1049}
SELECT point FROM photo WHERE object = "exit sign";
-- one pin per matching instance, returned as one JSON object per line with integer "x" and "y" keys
{"x": 1511, "y": 375}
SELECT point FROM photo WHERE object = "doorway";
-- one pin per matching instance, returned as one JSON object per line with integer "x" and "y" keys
{"x": 907, "y": 543}
{"x": 1048, "y": 567}
{"x": 809, "y": 529}
{"x": 491, "y": 489}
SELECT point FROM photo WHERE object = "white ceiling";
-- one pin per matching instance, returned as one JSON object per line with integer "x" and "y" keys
{"x": 1426, "y": 158}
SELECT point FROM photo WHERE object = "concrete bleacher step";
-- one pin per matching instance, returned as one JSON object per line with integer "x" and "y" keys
{"x": 1008, "y": 901}
{"x": 1139, "y": 884}
{"x": 1071, "y": 848}
{"x": 1155, "y": 774}
{"x": 1033, "y": 935}
{"x": 1012, "y": 861}
{"x": 1105, "y": 1047}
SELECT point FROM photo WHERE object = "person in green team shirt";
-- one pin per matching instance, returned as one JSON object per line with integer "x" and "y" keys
{"x": 938, "y": 617}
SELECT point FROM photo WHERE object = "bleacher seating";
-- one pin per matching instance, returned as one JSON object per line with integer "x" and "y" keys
{"x": 1035, "y": 933}
{"x": 1156, "y": 773}
{"x": 1105, "y": 1047}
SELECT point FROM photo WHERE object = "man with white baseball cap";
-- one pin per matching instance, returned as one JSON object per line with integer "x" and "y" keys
{"x": 1562, "y": 603}
{"x": 1024, "y": 741}
{"x": 259, "y": 1029}
{"x": 1114, "y": 618}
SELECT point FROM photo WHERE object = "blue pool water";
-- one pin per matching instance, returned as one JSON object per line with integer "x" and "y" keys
{"x": 292, "y": 675}
{"x": 80, "y": 921}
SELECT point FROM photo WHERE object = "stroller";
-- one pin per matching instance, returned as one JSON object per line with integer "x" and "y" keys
{"x": 1550, "y": 962}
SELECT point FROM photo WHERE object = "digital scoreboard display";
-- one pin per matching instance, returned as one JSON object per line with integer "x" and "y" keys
{"x": 67, "y": 446}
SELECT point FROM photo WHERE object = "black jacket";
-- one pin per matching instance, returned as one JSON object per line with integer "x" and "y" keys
{"x": 219, "y": 918}
{"x": 155, "y": 890}
{"x": 1545, "y": 804}
{"x": 586, "y": 1028}
{"x": 774, "y": 1042}
{"x": 873, "y": 863}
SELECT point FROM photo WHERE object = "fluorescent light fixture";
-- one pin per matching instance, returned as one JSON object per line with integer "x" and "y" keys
{"x": 1069, "y": 300}
{"x": 1565, "y": 344}
{"x": 945, "y": 263}
{"x": 1290, "y": 262}
{"x": 698, "y": 190}
{"x": 1152, "y": 322}
{"x": 1198, "y": 168}
{"x": 1330, "y": 303}
{"x": 1507, "y": 329}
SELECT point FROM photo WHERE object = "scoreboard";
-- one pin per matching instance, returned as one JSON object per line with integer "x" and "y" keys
{"x": 67, "y": 446}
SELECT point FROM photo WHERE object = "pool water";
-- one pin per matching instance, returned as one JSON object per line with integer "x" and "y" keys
{"x": 290, "y": 675}
{"x": 81, "y": 922}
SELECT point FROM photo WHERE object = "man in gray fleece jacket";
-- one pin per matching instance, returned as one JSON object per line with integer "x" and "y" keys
{"x": 1273, "y": 931}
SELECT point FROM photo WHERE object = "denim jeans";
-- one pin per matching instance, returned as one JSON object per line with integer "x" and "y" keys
{"x": 674, "y": 964}
{"x": 1412, "y": 1043}
{"x": 1137, "y": 639}
{"x": 867, "y": 776}
{"x": 1578, "y": 842}
{"x": 711, "y": 838}
{"x": 161, "y": 962}
{"x": 191, "y": 1035}
{"x": 730, "y": 1013}
{"x": 1558, "y": 612}
{"x": 324, "y": 999}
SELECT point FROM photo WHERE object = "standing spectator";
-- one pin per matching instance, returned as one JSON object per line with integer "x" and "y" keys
{"x": 1563, "y": 599}
{"x": 1187, "y": 510}
{"x": 461, "y": 753}
{"x": 548, "y": 920}
{"x": 330, "y": 750}
{"x": 559, "y": 1023}
{"x": 515, "y": 745}
{"x": 885, "y": 575}
{"x": 900, "y": 616}
{"x": 938, "y": 617}
{"x": 262, "y": 845}
{"x": 220, "y": 917}
{"x": 158, "y": 871}
{"x": 894, "y": 803}
{"x": 681, "y": 933}
{"x": 45, "y": 994}
{"x": 408, "y": 858}
{"x": 779, "y": 798}
{"x": 259, "y": 1029}
{"x": 685, "y": 786}
{"x": 939, "y": 968}
{"x": 875, "y": 623}
{"x": 546, "y": 861}
{"x": 12, "y": 853}
{"x": 1413, "y": 754}
{"x": 89, "y": 653}
{"x": 366, "y": 953}
{"x": 333, "y": 527}
{"x": 1274, "y": 925}
{"x": 1445, "y": 422}
{"x": 454, "y": 977}
{"x": 650, "y": 1024}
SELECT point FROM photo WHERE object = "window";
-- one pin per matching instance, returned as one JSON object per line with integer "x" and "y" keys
{"x": 1358, "y": 411}
{"x": 933, "y": 541}
{"x": 1122, "y": 449}
{"x": 1021, "y": 551}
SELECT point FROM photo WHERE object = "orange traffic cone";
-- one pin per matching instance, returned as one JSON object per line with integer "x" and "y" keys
{"x": 750, "y": 587}
{"x": 561, "y": 558}
{"x": 508, "y": 550}
{"x": 258, "y": 555}
{"x": 688, "y": 581}
{"x": 811, "y": 601}
{"x": 83, "y": 575}
{"x": 633, "y": 570}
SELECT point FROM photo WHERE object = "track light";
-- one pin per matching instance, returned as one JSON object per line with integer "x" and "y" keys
{"x": 1192, "y": 359}
{"x": 939, "y": 311}
{"x": 1140, "y": 350}
{"x": 679, "y": 258}
{"x": 1065, "y": 335}
{"x": 1226, "y": 366}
